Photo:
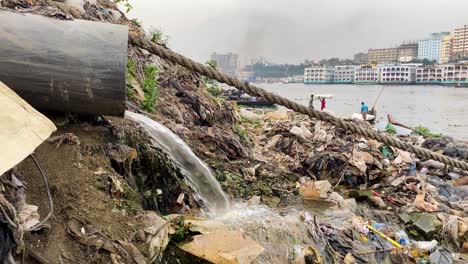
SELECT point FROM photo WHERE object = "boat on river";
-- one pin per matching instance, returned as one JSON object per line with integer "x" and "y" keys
{"x": 243, "y": 99}
{"x": 257, "y": 103}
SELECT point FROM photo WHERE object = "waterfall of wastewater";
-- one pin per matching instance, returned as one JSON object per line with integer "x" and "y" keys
{"x": 197, "y": 174}
{"x": 281, "y": 233}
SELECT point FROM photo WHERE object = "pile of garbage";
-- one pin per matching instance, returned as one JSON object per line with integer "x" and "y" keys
{"x": 122, "y": 200}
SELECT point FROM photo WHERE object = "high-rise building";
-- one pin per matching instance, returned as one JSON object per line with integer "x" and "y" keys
{"x": 430, "y": 47}
{"x": 407, "y": 52}
{"x": 446, "y": 51}
{"x": 383, "y": 56}
{"x": 227, "y": 63}
{"x": 360, "y": 58}
{"x": 460, "y": 42}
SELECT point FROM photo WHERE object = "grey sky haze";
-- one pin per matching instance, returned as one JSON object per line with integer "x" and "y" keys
{"x": 289, "y": 31}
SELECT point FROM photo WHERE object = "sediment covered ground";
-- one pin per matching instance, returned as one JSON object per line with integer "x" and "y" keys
{"x": 119, "y": 199}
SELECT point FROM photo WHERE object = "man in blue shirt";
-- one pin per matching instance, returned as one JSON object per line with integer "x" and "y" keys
{"x": 364, "y": 110}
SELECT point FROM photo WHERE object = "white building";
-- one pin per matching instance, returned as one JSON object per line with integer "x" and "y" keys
{"x": 318, "y": 74}
{"x": 344, "y": 74}
{"x": 405, "y": 74}
{"x": 430, "y": 74}
{"x": 367, "y": 74}
{"x": 430, "y": 48}
{"x": 455, "y": 74}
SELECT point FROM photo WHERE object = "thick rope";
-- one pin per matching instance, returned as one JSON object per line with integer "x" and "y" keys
{"x": 259, "y": 92}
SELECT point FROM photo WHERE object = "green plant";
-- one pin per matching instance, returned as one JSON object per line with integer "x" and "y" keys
{"x": 426, "y": 132}
{"x": 239, "y": 130}
{"x": 254, "y": 123}
{"x": 126, "y": 3}
{"x": 157, "y": 36}
{"x": 131, "y": 69}
{"x": 210, "y": 84}
{"x": 150, "y": 88}
{"x": 130, "y": 76}
{"x": 136, "y": 22}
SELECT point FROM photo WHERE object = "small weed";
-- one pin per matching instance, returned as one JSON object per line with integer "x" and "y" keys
{"x": 210, "y": 84}
{"x": 151, "y": 89}
{"x": 130, "y": 77}
{"x": 426, "y": 132}
{"x": 158, "y": 36}
{"x": 136, "y": 22}
{"x": 126, "y": 3}
{"x": 239, "y": 130}
{"x": 254, "y": 123}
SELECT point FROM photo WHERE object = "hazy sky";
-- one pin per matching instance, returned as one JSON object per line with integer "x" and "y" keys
{"x": 294, "y": 30}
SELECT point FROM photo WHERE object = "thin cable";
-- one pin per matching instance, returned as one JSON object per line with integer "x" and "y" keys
{"x": 51, "y": 202}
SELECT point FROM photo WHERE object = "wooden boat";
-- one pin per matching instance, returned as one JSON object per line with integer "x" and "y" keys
{"x": 258, "y": 103}
{"x": 371, "y": 115}
{"x": 359, "y": 117}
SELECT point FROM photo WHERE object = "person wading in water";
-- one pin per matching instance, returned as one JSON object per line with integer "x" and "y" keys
{"x": 311, "y": 102}
{"x": 322, "y": 100}
{"x": 364, "y": 110}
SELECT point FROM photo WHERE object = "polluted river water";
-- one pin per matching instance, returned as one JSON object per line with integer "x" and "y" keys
{"x": 281, "y": 232}
{"x": 442, "y": 109}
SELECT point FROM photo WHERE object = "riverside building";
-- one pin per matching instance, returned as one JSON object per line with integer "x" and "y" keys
{"x": 431, "y": 74}
{"x": 383, "y": 56}
{"x": 398, "y": 74}
{"x": 344, "y": 74}
{"x": 460, "y": 42}
{"x": 454, "y": 74}
{"x": 318, "y": 74}
{"x": 430, "y": 48}
{"x": 367, "y": 74}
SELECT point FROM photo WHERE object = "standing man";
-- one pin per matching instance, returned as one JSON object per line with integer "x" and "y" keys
{"x": 364, "y": 110}
{"x": 311, "y": 102}
{"x": 322, "y": 100}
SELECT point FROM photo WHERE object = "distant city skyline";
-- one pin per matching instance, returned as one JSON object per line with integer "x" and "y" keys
{"x": 291, "y": 31}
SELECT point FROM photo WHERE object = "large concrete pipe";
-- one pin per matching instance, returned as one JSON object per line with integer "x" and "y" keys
{"x": 68, "y": 66}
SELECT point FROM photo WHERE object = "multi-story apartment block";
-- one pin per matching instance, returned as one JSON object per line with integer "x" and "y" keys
{"x": 227, "y": 63}
{"x": 367, "y": 74}
{"x": 430, "y": 47}
{"x": 344, "y": 74}
{"x": 460, "y": 42}
{"x": 383, "y": 56}
{"x": 431, "y": 74}
{"x": 404, "y": 74}
{"x": 318, "y": 74}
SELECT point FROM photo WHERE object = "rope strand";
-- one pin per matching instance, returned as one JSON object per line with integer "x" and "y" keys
{"x": 259, "y": 92}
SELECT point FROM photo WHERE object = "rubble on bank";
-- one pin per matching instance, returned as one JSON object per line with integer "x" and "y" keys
{"x": 113, "y": 190}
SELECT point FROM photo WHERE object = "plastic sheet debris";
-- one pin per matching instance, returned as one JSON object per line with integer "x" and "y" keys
{"x": 315, "y": 190}
{"x": 250, "y": 115}
{"x": 301, "y": 132}
{"x": 157, "y": 230}
{"x": 92, "y": 236}
{"x": 279, "y": 115}
{"x": 67, "y": 138}
{"x": 23, "y": 128}
{"x": 433, "y": 164}
{"x": 441, "y": 256}
{"x": 223, "y": 247}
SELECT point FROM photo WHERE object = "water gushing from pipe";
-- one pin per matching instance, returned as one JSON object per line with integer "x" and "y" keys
{"x": 196, "y": 173}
